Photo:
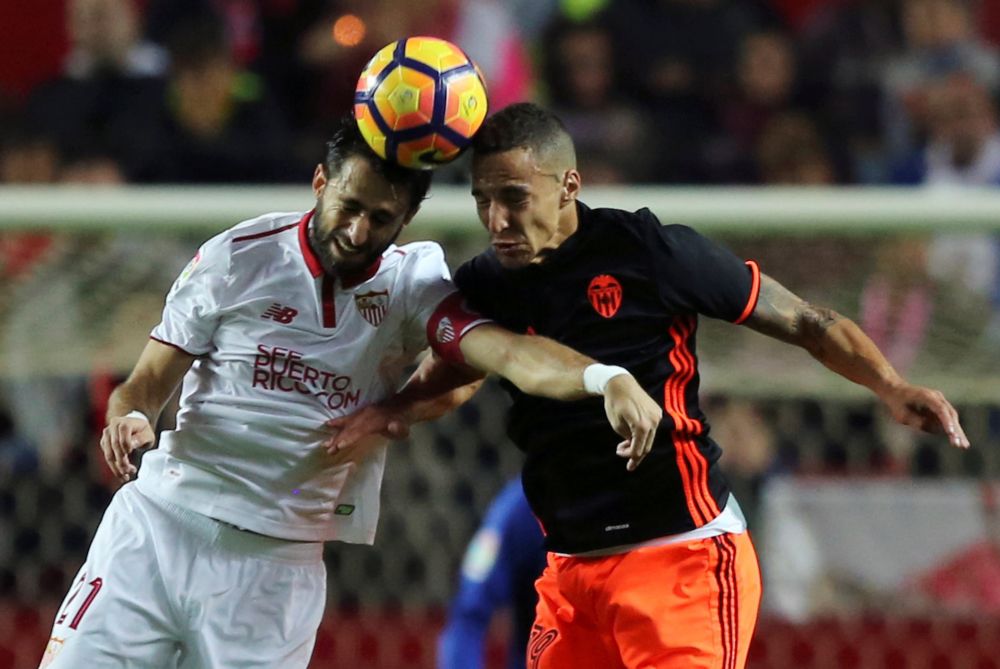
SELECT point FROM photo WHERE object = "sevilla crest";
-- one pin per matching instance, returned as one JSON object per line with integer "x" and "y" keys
{"x": 373, "y": 306}
{"x": 445, "y": 333}
{"x": 605, "y": 295}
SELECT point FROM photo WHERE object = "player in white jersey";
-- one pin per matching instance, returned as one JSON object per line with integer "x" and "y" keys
{"x": 212, "y": 557}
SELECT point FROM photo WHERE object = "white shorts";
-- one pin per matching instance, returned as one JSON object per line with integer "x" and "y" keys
{"x": 164, "y": 587}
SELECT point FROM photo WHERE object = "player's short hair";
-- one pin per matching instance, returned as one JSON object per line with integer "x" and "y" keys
{"x": 347, "y": 141}
{"x": 525, "y": 125}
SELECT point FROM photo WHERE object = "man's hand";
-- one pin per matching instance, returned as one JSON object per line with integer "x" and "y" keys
{"x": 122, "y": 436}
{"x": 373, "y": 420}
{"x": 634, "y": 415}
{"x": 926, "y": 410}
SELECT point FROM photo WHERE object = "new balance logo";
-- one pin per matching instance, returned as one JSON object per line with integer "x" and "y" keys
{"x": 280, "y": 314}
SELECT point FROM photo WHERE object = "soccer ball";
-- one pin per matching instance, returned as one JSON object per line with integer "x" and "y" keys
{"x": 419, "y": 101}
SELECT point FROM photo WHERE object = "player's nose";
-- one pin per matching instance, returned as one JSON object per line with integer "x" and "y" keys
{"x": 358, "y": 231}
{"x": 497, "y": 219}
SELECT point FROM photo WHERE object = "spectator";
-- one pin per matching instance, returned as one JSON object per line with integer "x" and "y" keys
{"x": 105, "y": 36}
{"x": 939, "y": 42}
{"x": 963, "y": 142}
{"x": 754, "y": 455}
{"x": 963, "y": 149}
{"x": 766, "y": 73}
{"x": 844, "y": 48}
{"x": 27, "y": 156}
{"x": 212, "y": 123}
{"x": 790, "y": 151}
{"x": 674, "y": 55}
{"x": 612, "y": 136}
{"x": 109, "y": 70}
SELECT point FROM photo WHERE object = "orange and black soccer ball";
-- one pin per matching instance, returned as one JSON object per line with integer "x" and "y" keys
{"x": 419, "y": 101}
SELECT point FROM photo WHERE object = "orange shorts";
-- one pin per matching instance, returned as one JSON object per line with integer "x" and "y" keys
{"x": 690, "y": 605}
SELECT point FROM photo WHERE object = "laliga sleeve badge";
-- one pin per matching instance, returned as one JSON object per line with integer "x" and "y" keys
{"x": 445, "y": 333}
{"x": 373, "y": 306}
{"x": 189, "y": 269}
{"x": 605, "y": 295}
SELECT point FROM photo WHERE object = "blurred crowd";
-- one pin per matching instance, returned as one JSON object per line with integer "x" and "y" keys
{"x": 655, "y": 91}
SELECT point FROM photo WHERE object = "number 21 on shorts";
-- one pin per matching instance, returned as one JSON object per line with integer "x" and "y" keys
{"x": 95, "y": 587}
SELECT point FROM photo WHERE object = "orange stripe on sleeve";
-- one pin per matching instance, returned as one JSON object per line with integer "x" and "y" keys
{"x": 754, "y": 292}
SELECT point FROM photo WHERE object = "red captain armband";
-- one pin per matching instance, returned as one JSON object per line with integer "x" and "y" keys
{"x": 451, "y": 321}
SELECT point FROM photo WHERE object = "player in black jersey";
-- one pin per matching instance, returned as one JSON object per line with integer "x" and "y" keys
{"x": 651, "y": 565}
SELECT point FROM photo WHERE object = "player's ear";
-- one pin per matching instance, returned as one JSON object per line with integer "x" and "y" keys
{"x": 570, "y": 186}
{"x": 319, "y": 180}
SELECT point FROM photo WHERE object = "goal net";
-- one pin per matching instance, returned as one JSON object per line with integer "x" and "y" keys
{"x": 82, "y": 279}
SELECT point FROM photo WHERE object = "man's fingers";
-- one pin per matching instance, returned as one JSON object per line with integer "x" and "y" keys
{"x": 109, "y": 448}
{"x": 109, "y": 456}
{"x": 946, "y": 417}
{"x": 634, "y": 450}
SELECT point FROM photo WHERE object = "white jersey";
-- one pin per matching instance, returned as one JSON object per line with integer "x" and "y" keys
{"x": 283, "y": 347}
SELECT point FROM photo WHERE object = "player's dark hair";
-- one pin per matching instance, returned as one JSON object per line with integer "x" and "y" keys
{"x": 347, "y": 141}
{"x": 525, "y": 125}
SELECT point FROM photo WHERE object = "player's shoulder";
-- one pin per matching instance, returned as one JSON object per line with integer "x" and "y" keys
{"x": 608, "y": 222}
{"x": 414, "y": 257}
{"x": 263, "y": 228}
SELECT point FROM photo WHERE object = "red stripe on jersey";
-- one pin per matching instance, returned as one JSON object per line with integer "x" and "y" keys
{"x": 266, "y": 233}
{"x": 329, "y": 303}
{"x": 316, "y": 267}
{"x": 754, "y": 292}
{"x": 312, "y": 260}
{"x": 692, "y": 464}
{"x": 352, "y": 280}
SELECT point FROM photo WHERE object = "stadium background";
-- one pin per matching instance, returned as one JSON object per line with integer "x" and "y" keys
{"x": 850, "y": 147}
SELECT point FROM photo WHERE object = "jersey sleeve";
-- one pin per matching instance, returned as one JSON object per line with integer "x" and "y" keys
{"x": 435, "y": 311}
{"x": 450, "y": 322}
{"x": 695, "y": 274}
{"x": 192, "y": 309}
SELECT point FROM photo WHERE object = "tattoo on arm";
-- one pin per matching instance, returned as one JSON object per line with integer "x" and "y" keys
{"x": 815, "y": 321}
{"x": 783, "y": 315}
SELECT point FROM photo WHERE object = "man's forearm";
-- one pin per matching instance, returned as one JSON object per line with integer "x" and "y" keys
{"x": 129, "y": 397}
{"x": 536, "y": 365}
{"x": 157, "y": 373}
{"x": 435, "y": 388}
{"x": 418, "y": 404}
{"x": 845, "y": 349}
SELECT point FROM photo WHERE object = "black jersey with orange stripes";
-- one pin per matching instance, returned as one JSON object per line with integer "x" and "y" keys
{"x": 624, "y": 290}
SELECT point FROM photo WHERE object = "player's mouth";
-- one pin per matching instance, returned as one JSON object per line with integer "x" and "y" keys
{"x": 508, "y": 248}
{"x": 344, "y": 248}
